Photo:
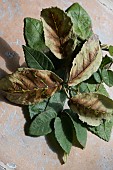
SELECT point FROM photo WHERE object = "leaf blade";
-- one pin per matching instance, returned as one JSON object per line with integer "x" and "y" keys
{"x": 86, "y": 62}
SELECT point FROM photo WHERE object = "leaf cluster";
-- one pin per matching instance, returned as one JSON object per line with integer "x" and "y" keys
{"x": 66, "y": 66}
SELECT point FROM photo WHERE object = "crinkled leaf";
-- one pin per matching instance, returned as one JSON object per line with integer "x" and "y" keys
{"x": 58, "y": 32}
{"x": 80, "y": 131}
{"x": 36, "y": 59}
{"x": 92, "y": 108}
{"x": 111, "y": 50}
{"x": 86, "y": 62}
{"x": 27, "y": 86}
{"x": 64, "y": 133}
{"x": 34, "y": 35}
{"x": 107, "y": 77}
{"x": 104, "y": 130}
{"x": 82, "y": 25}
{"x": 41, "y": 125}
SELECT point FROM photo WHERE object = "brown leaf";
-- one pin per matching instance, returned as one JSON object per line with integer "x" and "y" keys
{"x": 28, "y": 86}
{"x": 92, "y": 107}
{"x": 86, "y": 62}
{"x": 59, "y": 36}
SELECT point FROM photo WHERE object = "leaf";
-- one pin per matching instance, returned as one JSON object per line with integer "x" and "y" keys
{"x": 105, "y": 61}
{"x": 82, "y": 25}
{"x": 63, "y": 134}
{"x": 92, "y": 108}
{"x": 58, "y": 32}
{"x": 80, "y": 131}
{"x": 41, "y": 125}
{"x": 56, "y": 102}
{"x": 103, "y": 131}
{"x": 37, "y": 108}
{"x": 97, "y": 77}
{"x": 29, "y": 86}
{"x": 34, "y": 35}
{"x": 102, "y": 90}
{"x": 86, "y": 62}
{"x": 83, "y": 88}
{"x": 111, "y": 50}
{"x": 107, "y": 77}
{"x": 36, "y": 59}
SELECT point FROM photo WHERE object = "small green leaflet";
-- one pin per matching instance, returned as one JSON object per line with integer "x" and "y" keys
{"x": 107, "y": 77}
{"x": 79, "y": 130}
{"x": 97, "y": 77}
{"x": 106, "y": 61}
{"x": 102, "y": 90}
{"x": 37, "y": 108}
{"x": 103, "y": 131}
{"x": 36, "y": 59}
{"x": 64, "y": 133}
{"x": 41, "y": 125}
{"x": 34, "y": 36}
{"x": 82, "y": 25}
{"x": 111, "y": 50}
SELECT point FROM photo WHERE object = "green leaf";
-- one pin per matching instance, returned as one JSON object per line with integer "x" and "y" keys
{"x": 91, "y": 87}
{"x": 34, "y": 36}
{"x": 37, "y": 108}
{"x": 86, "y": 62}
{"x": 82, "y": 25}
{"x": 29, "y": 86}
{"x": 41, "y": 125}
{"x": 56, "y": 102}
{"x": 92, "y": 108}
{"x": 105, "y": 61}
{"x": 107, "y": 77}
{"x": 111, "y": 50}
{"x": 102, "y": 90}
{"x": 103, "y": 131}
{"x": 59, "y": 36}
{"x": 80, "y": 131}
{"x": 97, "y": 77}
{"x": 83, "y": 88}
{"x": 36, "y": 59}
{"x": 63, "y": 133}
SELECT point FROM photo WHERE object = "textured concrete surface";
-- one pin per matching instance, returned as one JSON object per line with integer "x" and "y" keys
{"x": 37, "y": 153}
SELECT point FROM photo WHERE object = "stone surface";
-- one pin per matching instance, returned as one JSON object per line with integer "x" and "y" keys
{"x": 37, "y": 153}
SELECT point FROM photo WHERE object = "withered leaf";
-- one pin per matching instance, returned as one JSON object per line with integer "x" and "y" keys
{"x": 59, "y": 36}
{"x": 92, "y": 108}
{"x": 29, "y": 86}
{"x": 86, "y": 62}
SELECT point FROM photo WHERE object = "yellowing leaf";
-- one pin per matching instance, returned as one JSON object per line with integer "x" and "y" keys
{"x": 92, "y": 108}
{"x": 86, "y": 62}
{"x": 59, "y": 36}
{"x": 29, "y": 86}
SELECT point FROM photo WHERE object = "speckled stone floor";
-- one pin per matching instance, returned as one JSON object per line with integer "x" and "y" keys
{"x": 36, "y": 153}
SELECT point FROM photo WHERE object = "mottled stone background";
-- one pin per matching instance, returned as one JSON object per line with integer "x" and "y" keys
{"x": 37, "y": 153}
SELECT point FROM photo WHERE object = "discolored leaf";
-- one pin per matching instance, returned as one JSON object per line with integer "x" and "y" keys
{"x": 58, "y": 32}
{"x": 82, "y": 25}
{"x": 104, "y": 130}
{"x": 27, "y": 86}
{"x": 86, "y": 62}
{"x": 34, "y": 35}
{"x": 36, "y": 59}
{"x": 92, "y": 108}
{"x": 79, "y": 130}
{"x": 41, "y": 125}
{"x": 107, "y": 77}
{"x": 63, "y": 134}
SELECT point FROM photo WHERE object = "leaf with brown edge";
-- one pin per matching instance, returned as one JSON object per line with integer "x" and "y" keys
{"x": 86, "y": 62}
{"x": 29, "y": 86}
{"x": 92, "y": 108}
{"x": 59, "y": 36}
